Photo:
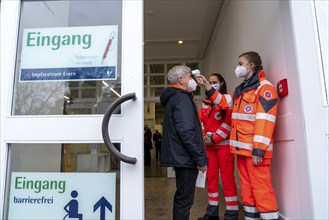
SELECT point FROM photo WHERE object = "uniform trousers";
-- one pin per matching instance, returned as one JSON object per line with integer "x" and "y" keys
{"x": 221, "y": 160}
{"x": 257, "y": 193}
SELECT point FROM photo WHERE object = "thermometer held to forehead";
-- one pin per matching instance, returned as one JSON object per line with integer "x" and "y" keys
{"x": 196, "y": 72}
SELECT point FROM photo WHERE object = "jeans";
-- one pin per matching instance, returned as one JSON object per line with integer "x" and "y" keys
{"x": 185, "y": 190}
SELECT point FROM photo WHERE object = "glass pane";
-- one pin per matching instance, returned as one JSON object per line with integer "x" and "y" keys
{"x": 159, "y": 113}
{"x": 156, "y": 91}
{"x": 193, "y": 66}
{"x": 88, "y": 93}
{"x": 145, "y": 91}
{"x": 32, "y": 159}
{"x": 68, "y": 62}
{"x": 157, "y": 68}
{"x": 73, "y": 84}
{"x": 88, "y": 84}
{"x": 74, "y": 93}
{"x": 145, "y": 80}
{"x": 157, "y": 80}
{"x": 171, "y": 65}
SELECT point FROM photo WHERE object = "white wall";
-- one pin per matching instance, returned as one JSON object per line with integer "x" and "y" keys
{"x": 266, "y": 27}
{"x": 313, "y": 99}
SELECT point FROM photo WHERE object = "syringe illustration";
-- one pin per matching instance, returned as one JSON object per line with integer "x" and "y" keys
{"x": 108, "y": 46}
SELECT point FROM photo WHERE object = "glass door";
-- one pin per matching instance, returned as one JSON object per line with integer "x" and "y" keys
{"x": 66, "y": 63}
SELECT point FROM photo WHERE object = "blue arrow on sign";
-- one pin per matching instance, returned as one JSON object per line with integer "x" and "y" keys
{"x": 102, "y": 203}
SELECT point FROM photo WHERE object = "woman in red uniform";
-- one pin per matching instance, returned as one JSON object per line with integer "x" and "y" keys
{"x": 216, "y": 132}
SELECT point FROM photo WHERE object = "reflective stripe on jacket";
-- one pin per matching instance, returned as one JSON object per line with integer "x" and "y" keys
{"x": 255, "y": 107}
{"x": 214, "y": 122}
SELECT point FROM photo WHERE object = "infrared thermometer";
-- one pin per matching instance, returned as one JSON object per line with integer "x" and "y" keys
{"x": 196, "y": 72}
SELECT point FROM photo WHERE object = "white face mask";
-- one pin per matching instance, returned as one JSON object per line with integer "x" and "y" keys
{"x": 216, "y": 86}
{"x": 241, "y": 71}
{"x": 191, "y": 85}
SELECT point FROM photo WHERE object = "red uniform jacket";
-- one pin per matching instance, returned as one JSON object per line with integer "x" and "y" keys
{"x": 215, "y": 124}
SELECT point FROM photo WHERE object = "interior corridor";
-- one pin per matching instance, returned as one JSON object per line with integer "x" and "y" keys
{"x": 159, "y": 193}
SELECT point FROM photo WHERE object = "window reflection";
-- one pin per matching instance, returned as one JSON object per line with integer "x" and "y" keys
{"x": 157, "y": 80}
{"x": 62, "y": 158}
{"x": 157, "y": 68}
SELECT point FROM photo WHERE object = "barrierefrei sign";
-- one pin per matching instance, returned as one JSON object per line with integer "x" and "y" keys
{"x": 66, "y": 196}
{"x": 69, "y": 53}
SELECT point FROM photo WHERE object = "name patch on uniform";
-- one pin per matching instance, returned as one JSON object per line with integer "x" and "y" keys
{"x": 268, "y": 94}
{"x": 248, "y": 109}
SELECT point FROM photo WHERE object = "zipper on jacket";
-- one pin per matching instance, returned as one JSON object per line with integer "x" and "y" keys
{"x": 236, "y": 135}
{"x": 240, "y": 101}
{"x": 210, "y": 112}
{"x": 237, "y": 139}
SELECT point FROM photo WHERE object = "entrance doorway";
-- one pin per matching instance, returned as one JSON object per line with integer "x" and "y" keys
{"x": 159, "y": 181}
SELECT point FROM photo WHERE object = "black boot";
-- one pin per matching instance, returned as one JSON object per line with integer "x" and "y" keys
{"x": 231, "y": 215}
{"x": 208, "y": 217}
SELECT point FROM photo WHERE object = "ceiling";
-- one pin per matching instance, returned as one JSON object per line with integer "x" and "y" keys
{"x": 167, "y": 21}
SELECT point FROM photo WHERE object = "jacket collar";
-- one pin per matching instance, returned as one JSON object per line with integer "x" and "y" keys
{"x": 249, "y": 84}
{"x": 207, "y": 101}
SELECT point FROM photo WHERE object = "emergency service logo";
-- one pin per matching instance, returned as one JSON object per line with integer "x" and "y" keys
{"x": 217, "y": 116}
{"x": 268, "y": 94}
{"x": 248, "y": 108}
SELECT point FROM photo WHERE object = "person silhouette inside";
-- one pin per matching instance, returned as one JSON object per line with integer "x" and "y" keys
{"x": 72, "y": 208}
{"x": 147, "y": 145}
{"x": 157, "y": 138}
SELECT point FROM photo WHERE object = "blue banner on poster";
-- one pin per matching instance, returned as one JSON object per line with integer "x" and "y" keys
{"x": 67, "y": 74}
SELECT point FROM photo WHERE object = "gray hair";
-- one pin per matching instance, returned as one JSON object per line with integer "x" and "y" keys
{"x": 176, "y": 72}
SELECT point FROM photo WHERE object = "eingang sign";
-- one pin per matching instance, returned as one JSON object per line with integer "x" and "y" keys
{"x": 62, "y": 196}
{"x": 69, "y": 53}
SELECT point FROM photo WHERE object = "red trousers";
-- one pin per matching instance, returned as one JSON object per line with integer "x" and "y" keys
{"x": 257, "y": 193}
{"x": 221, "y": 160}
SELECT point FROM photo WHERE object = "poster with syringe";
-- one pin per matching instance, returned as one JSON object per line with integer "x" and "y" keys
{"x": 69, "y": 53}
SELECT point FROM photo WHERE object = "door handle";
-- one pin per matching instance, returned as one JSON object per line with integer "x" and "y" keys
{"x": 105, "y": 128}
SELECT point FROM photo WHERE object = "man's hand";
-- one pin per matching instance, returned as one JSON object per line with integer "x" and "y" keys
{"x": 203, "y": 169}
{"x": 207, "y": 140}
{"x": 256, "y": 159}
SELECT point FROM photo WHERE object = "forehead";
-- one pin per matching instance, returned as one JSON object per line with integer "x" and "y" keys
{"x": 213, "y": 78}
{"x": 243, "y": 59}
{"x": 188, "y": 74}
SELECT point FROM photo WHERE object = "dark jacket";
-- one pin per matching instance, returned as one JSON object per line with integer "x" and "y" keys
{"x": 182, "y": 142}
